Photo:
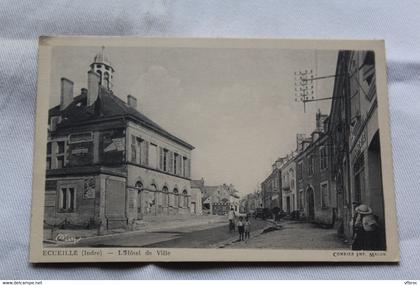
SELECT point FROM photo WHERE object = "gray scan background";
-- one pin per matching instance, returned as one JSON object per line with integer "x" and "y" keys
{"x": 21, "y": 22}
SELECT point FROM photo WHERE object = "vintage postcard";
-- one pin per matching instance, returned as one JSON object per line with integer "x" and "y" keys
{"x": 158, "y": 149}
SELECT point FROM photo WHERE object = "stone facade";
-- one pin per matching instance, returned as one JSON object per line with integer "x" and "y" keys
{"x": 288, "y": 185}
{"x": 218, "y": 200}
{"x": 108, "y": 165}
{"x": 315, "y": 186}
{"x": 252, "y": 201}
{"x": 359, "y": 174}
{"x": 197, "y": 187}
{"x": 271, "y": 189}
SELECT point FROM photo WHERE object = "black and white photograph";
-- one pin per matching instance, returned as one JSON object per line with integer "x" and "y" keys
{"x": 229, "y": 146}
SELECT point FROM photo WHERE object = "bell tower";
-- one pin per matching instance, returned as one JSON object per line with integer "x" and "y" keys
{"x": 102, "y": 67}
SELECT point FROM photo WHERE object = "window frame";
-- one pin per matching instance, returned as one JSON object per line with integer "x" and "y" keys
{"x": 311, "y": 165}
{"x": 325, "y": 204}
{"x": 63, "y": 197}
{"x": 133, "y": 157}
{"x": 301, "y": 199}
{"x": 323, "y": 157}
{"x": 300, "y": 170}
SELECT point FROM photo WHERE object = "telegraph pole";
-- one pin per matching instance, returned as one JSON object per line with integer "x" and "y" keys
{"x": 304, "y": 87}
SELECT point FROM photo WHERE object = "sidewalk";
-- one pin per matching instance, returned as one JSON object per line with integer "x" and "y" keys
{"x": 150, "y": 225}
{"x": 294, "y": 235}
{"x": 161, "y": 223}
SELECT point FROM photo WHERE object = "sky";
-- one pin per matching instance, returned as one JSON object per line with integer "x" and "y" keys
{"x": 236, "y": 106}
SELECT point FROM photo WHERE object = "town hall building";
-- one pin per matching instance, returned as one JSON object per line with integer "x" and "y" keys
{"x": 108, "y": 165}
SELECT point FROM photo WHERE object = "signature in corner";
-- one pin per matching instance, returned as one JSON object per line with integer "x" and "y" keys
{"x": 67, "y": 238}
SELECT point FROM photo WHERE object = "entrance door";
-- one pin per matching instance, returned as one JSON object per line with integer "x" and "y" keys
{"x": 139, "y": 187}
{"x": 139, "y": 215}
{"x": 288, "y": 204}
{"x": 311, "y": 203}
{"x": 193, "y": 208}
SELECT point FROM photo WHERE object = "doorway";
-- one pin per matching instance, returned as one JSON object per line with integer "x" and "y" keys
{"x": 310, "y": 203}
{"x": 139, "y": 187}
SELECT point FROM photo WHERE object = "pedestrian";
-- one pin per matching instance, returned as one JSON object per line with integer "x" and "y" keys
{"x": 247, "y": 228}
{"x": 365, "y": 229}
{"x": 231, "y": 217}
{"x": 241, "y": 228}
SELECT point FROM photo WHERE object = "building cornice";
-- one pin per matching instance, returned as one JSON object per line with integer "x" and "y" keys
{"x": 157, "y": 170}
{"x": 85, "y": 170}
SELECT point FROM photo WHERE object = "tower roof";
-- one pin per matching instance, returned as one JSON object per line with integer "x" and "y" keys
{"x": 101, "y": 57}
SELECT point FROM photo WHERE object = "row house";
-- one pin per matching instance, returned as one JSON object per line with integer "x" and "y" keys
{"x": 218, "y": 200}
{"x": 271, "y": 188}
{"x": 354, "y": 117}
{"x": 197, "y": 188}
{"x": 252, "y": 201}
{"x": 315, "y": 186}
{"x": 288, "y": 185}
{"x": 108, "y": 165}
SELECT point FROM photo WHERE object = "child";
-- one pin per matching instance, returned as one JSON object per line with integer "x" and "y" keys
{"x": 247, "y": 228}
{"x": 241, "y": 229}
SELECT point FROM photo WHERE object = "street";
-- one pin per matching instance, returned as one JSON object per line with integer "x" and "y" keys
{"x": 209, "y": 238}
{"x": 203, "y": 236}
{"x": 264, "y": 234}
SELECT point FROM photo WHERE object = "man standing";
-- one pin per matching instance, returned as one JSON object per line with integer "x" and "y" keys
{"x": 231, "y": 216}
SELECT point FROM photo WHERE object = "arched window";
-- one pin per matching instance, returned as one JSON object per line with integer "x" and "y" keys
{"x": 176, "y": 197}
{"x": 165, "y": 198}
{"x": 153, "y": 187}
{"x": 100, "y": 76}
{"x": 185, "y": 198}
{"x": 106, "y": 78}
{"x": 139, "y": 185}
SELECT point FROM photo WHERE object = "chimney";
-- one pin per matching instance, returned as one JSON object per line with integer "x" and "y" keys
{"x": 132, "y": 101}
{"x": 320, "y": 121}
{"x": 66, "y": 93}
{"x": 93, "y": 87}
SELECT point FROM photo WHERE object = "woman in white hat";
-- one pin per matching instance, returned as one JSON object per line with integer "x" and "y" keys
{"x": 364, "y": 229}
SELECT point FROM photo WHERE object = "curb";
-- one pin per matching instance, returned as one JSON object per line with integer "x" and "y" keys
{"x": 127, "y": 233}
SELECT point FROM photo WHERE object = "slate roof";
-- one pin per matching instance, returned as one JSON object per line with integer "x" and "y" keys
{"x": 197, "y": 184}
{"x": 208, "y": 191}
{"x": 107, "y": 106}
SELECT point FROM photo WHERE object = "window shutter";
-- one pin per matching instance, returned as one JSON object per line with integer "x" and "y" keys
{"x": 171, "y": 162}
{"x": 161, "y": 158}
{"x": 179, "y": 164}
{"x": 146, "y": 153}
